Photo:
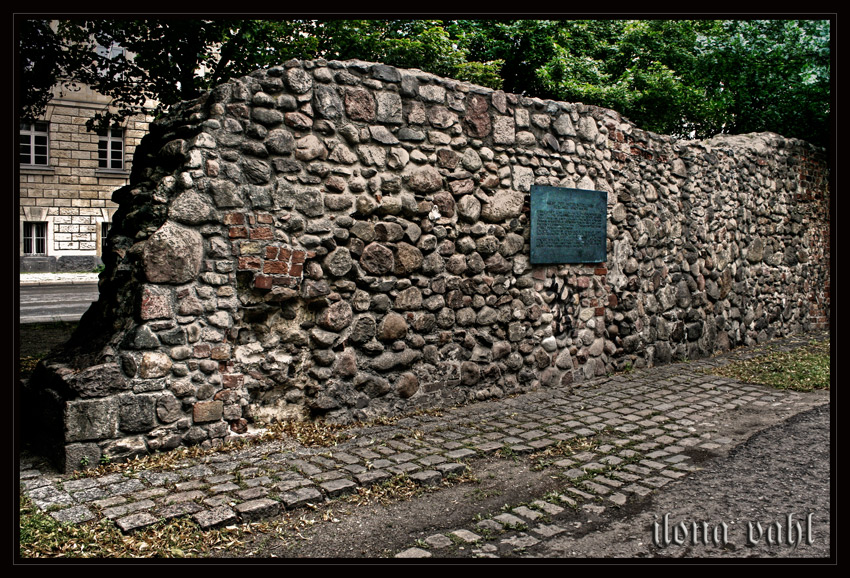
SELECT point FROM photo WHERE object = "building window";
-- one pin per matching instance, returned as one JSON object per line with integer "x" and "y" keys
{"x": 110, "y": 148}
{"x": 112, "y": 52}
{"x": 104, "y": 232}
{"x": 35, "y": 238}
{"x": 33, "y": 143}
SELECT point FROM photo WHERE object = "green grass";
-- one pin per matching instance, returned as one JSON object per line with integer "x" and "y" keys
{"x": 41, "y": 536}
{"x": 803, "y": 369}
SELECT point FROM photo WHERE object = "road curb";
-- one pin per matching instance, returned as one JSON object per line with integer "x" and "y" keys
{"x": 36, "y": 279}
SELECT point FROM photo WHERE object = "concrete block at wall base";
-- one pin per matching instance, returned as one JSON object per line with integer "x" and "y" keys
{"x": 77, "y": 263}
{"x": 65, "y": 264}
{"x": 32, "y": 264}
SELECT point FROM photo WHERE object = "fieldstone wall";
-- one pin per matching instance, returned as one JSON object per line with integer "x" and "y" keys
{"x": 348, "y": 239}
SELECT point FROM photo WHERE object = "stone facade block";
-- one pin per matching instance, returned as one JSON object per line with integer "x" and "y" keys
{"x": 91, "y": 419}
{"x": 207, "y": 411}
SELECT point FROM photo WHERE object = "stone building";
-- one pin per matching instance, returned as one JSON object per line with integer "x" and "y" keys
{"x": 66, "y": 179}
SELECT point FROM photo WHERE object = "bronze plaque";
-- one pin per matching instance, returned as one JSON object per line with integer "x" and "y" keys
{"x": 568, "y": 225}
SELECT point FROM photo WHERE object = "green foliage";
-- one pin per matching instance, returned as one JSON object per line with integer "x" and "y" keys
{"x": 166, "y": 61}
{"x": 681, "y": 77}
{"x": 803, "y": 369}
{"x": 769, "y": 75}
{"x": 699, "y": 78}
{"x": 430, "y": 45}
{"x": 687, "y": 78}
{"x": 522, "y": 47}
{"x": 42, "y": 61}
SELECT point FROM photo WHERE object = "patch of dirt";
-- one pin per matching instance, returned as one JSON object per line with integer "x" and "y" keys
{"x": 698, "y": 455}
{"x": 37, "y": 339}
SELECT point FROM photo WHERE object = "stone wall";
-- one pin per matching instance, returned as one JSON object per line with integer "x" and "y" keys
{"x": 347, "y": 239}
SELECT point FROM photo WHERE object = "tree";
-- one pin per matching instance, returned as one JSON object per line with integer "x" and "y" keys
{"x": 167, "y": 61}
{"x": 769, "y": 75}
{"x": 43, "y": 61}
{"x": 429, "y": 45}
{"x": 164, "y": 61}
{"x": 523, "y": 47}
{"x": 699, "y": 78}
{"x": 687, "y": 78}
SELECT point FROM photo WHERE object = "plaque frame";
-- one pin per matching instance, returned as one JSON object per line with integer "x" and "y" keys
{"x": 568, "y": 226}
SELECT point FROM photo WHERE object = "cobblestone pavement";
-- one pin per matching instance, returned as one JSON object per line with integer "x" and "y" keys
{"x": 638, "y": 431}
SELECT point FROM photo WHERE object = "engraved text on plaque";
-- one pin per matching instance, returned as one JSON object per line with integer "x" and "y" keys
{"x": 568, "y": 225}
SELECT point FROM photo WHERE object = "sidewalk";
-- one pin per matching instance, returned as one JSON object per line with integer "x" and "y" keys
{"x": 52, "y": 278}
{"x": 648, "y": 424}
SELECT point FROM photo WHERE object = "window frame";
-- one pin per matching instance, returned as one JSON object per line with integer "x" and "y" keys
{"x": 32, "y": 132}
{"x": 111, "y": 52}
{"x": 104, "y": 233}
{"x": 31, "y": 239}
{"x": 106, "y": 139}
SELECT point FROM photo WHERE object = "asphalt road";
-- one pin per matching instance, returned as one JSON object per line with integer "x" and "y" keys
{"x": 59, "y": 302}
{"x": 768, "y": 498}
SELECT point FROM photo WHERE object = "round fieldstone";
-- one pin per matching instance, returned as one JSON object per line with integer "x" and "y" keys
{"x": 469, "y": 208}
{"x": 564, "y": 360}
{"x": 503, "y": 206}
{"x": 393, "y": 326}
{"x": 327, "y": 102}
{"x": 256, "y": 171}
{"x": 377, "y": 259}
{"x": 445, "y": 204}
{"x": 372, "y": 385}
{"x": 298, "y": 80}
{"x": 425, "y": 179}
{"x": 470, "y": 373}
{"x": 309, "y": 148}
{"x": 154, "y": 364}
{"x": 192, "y": 208}
{"x": 267, "y": 116}
{"x": 477, "y": 118}
{"x": 587, "y": 128}
{"x": 410, "y": 298}
{"x": 364, "y": 329}
{"x": 501, "y": 349}
{"x": 389, "y": 231}
{"x": 497, "y": 264}
{"x": 563, "y": 125}
{"x": 339, "y": 262}
{"x": 406, "y": 385}
{"x": 280, "y": 141}
{"x": 456, "y": 264}
{"x": 337, "y": 317}
{"x": 407, "y": 259}
{"x": 511, "y": 244}
{"x": 360, "y": 104}
{"x": 346, "y": 364}
{"x": 504, "y": 130}
{"x": 173, "y": 254}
